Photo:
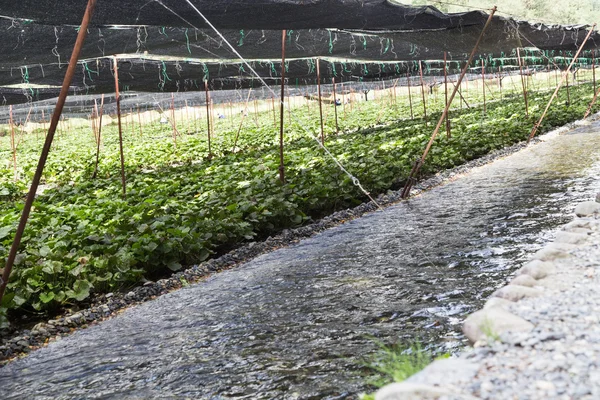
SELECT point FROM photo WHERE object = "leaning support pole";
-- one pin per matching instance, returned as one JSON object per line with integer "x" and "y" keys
{"x": 589, "y": 109}
{"x": 483, "y": 85}
{"x": 555, "y": 94}
{"x": 118, "y": 100}
{"x": 281, "y": 108}
{"x": 421, "y": 161}
{"x": 47, "y": 145}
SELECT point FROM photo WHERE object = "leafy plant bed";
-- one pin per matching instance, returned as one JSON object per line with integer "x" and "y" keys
{"x": 181, "y": 208}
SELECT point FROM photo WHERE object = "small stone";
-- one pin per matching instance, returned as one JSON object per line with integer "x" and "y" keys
{"x": 492, "y": 322}
{"x": 497, "y": 302}
{"x": 587, "y": 208}
{"x": 409, "y": 391}
{"x": 545, "y": 385}
{"x": 571, "y": 238}
{"x": 516, "y": 293}
{"x": 524, "y": 280}
{"x": 538, "y": 269}
{"x": 598, "y": 197}
{"x": 552, "y": 252}
{"x": 450, "y": 371}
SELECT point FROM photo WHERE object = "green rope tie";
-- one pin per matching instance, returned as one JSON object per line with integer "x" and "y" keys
{"x": 187, "y": 41}
{"x": 161, "y": 31}
{"x": 364, "y": 42}
{"x": 330, "y": 43}
{"x": 242, "y": 37}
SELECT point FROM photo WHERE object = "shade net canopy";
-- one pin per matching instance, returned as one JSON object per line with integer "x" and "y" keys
{"x": 167, "y": 46}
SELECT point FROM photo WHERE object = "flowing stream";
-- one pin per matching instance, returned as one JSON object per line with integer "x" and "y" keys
{"x": 297, "y": 323}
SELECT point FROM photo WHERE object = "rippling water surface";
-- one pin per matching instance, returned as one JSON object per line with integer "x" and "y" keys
{"x": 296, "y": 323}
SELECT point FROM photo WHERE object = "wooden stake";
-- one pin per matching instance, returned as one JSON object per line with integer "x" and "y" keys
{"x": 118, "y": 100}
{"x": 483, "y": 85}
{"x": 99, "y": 137}
{"x": 337, "y": 128}
{"x": 423, "y": 92}
{"x": 13, "y": 143}
{"x": 320, "y": 104}
{"x": 523, "y": 83}
{"x": 281, "y": 109}
{"x": 173, "y": 123}
{"x": 409, "y": 96}
{"x": 208, "y": 117}
{"x": 448, "y": 133}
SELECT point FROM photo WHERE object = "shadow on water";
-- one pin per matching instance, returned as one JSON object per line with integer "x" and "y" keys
{"x": 297, "y": 322}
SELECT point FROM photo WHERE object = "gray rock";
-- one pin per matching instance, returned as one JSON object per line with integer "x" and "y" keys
{"x": 492, "y": 322}
{"x": 587, "y": 208}
{"x": 516, "y": 293}
{"x": 571, "y": 237}
{"x": 409, "y": 391}
{"x": 524, "y": 280}
{"x": 497, "y": 302}
{"x": 553, "y": 251}
{"x": 448, "y": 372}
{"x": 538, "y": 269}
{"x": 598, "y": 197}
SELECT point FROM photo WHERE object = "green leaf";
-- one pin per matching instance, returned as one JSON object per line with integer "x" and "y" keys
{"x": 44, "y": 251}
{"x": 5, "y": 231}
{"x": 174, "y": 266}
{"x": 47, "y": 297}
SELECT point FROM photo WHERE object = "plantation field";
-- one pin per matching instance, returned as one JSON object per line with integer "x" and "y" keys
{"x": 182, "y": 206}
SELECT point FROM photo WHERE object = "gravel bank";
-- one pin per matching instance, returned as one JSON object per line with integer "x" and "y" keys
{"x": 538, "y": 337}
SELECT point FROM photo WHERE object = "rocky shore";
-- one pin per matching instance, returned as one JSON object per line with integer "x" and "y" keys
{"x": 536, "y": 338}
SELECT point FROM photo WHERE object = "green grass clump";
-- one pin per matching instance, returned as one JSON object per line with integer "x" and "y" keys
{"x": 397, "y": 363}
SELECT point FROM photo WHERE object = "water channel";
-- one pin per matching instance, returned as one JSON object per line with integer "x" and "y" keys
{"x": 296, "y": 323}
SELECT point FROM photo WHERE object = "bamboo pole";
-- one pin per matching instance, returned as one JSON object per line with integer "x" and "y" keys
{"x": 281, "y": 109}
{"x": 140, "y": 122}
{"x": 554, "y": 95}
{"x": 173, "y": 122}
{"x": 208, "y": 118}
{"x": 118, "y": 100}
{"x": 448, "y": 133}
{"x": 13, "y": 143}
{"x": 320, "y": 104}
{"x": 523, "y": 83}
{"x": 594, "y": 68}
{"x": 419, "y": 163}
{"x": 99, "y": 137}
{"x": 483, "y": 85}
{"x": 47, "y": 145}
{"x": 423, "y": 92}
{"x": 409, "y": 96}
{"x": 337, "y": 128}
